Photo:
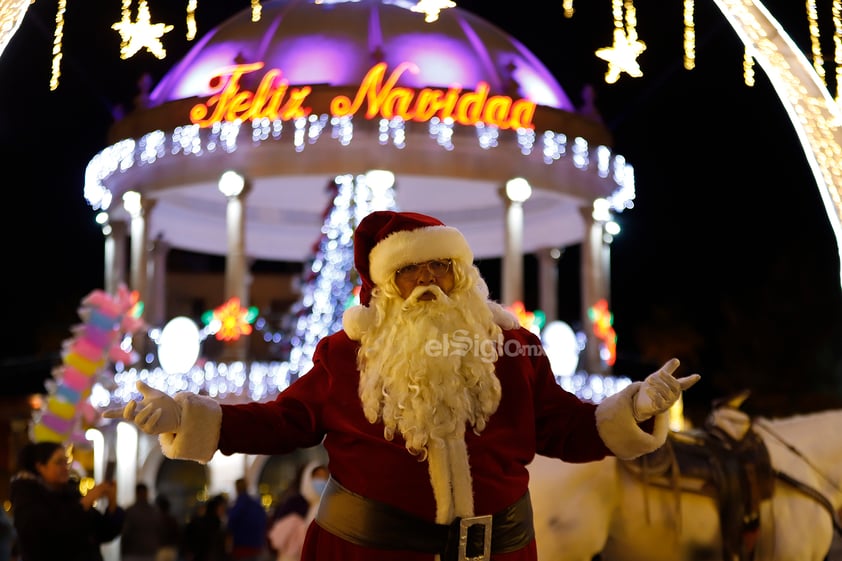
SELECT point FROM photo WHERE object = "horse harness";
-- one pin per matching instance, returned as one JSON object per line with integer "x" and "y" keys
{"x": 737, "y": 474}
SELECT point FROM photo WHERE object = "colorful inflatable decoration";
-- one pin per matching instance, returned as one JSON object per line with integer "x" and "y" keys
{"x": 96, "y": 342}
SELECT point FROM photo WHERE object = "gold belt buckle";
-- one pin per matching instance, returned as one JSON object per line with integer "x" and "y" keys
{"x": 467, "y": 523}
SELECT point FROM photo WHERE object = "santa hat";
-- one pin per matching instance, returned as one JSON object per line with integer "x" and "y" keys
{"x": 386, "y": 240}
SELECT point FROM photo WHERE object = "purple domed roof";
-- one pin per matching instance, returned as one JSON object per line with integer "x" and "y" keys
{"x": 336, "y": 43}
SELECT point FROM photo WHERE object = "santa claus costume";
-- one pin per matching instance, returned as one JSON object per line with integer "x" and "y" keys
{"x": 430, "y": 410}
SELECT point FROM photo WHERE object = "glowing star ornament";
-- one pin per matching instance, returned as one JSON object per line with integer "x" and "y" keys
{"x": 230, "y": 321}
{"x": 142, "y": 33}
{"x": 431, "y": 8}
{"x": 622, "y": 56}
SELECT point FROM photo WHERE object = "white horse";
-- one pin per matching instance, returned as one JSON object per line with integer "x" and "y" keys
{"x": 601, "y": 508}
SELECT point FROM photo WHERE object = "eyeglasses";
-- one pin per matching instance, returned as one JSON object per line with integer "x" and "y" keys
{"x": 437, "y": 268}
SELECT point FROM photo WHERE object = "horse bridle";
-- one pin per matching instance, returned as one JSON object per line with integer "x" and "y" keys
{"x": 808, "y": 490}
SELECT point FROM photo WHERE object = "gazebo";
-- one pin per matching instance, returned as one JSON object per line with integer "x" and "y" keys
{"x": 440, "y": 113}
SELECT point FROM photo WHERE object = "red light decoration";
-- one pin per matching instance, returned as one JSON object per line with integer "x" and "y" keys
{"x": 603, "y": 321}
{"x": 234, "y": 320}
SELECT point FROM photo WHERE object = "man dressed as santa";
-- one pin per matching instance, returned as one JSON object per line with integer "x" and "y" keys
{"x": 430, "y": 403}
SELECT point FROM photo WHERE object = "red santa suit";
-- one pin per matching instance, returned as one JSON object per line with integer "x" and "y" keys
{"x": 535, "y": 416}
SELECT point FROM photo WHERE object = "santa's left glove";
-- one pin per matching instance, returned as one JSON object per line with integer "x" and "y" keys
{"x": 660, "y": 390}
{"x": 156, "y": 413}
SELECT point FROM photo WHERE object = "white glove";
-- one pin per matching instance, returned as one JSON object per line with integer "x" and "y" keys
{"x": 158, "y": 412}
{"x": 660, "y": 390}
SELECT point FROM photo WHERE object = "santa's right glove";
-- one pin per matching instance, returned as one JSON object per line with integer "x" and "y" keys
{"x": 157, "y": 413}
{"x": 660, "y": 390}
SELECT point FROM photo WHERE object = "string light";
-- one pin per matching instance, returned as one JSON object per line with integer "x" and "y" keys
{"x": 256, "y": 10}
{"x": 191, "y": 19}
{"x": 689, "y": 35}
{"x": 567, "y": 6}
{"x": 748, "y": 69}
{"x": 57, "y": 44}
{"x": 837, "y": 45}
{"x": 815, "y": 45}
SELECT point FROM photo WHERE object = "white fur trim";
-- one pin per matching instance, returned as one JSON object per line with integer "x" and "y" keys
{"x": 414, "y": 246}
{"x": 621, "y": 433}
{"x": 197, "y": 438}
{"x": 356, "y": 320}
{"x": 503, "y": 317}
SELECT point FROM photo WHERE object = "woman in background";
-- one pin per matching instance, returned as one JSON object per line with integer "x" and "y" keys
{"x": 293, "y": 516}
{"x": 53, "y": 520}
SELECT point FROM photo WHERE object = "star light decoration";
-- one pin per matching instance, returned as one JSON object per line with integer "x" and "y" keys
{"x": 136, "y": 35}
{"x": 622, "y": 55}
{"x": 230, "y": 321}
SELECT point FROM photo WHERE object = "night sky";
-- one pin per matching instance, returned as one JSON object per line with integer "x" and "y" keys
{"x": 727, "y": 261}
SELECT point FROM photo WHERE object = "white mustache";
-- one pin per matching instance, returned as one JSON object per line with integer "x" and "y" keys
{"x": 420, "y": 291}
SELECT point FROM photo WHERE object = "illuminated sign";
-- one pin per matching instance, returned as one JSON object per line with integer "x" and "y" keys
{"x": 377, "y": 97}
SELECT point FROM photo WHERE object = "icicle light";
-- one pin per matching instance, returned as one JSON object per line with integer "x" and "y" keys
{"x": 191, "y": 19}
{"x": 689, "y": 35}
{"x": 567, "y": 6}
{"x": 57, "y": 44}
{"x": 256, "y": 10}
{"x": 815, "y": 45}
{"x": 748, "y": 69}
{"x": 837, "y": 45}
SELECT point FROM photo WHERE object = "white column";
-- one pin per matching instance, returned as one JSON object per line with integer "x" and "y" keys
{"x": 116, "y": 237}
{"x": 548, "y": 281}
{"x": 157, "y": 303}
{"x": 140, "y": 209}
{"x": 595, "y": 281}
{"x": 514, "y": 193}
{"x": 235, "y": 187}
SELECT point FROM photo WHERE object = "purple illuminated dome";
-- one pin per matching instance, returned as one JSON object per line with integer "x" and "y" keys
{"x": 335, "y": 44}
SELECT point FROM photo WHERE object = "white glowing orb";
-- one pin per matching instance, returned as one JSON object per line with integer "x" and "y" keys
{"x": 178, "y": 346}
{"x": 562, "y": 348}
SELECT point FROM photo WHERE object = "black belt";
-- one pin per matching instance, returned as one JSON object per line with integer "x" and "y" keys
{"x": 377, "y": 525}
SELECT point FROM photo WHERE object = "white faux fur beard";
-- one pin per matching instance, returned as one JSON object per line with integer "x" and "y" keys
{"x": 426, "y": 370}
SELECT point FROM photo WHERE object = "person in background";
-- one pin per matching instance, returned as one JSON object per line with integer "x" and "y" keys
{"x": 8, "y": 537}
{"x": 431, "y": 402}
{"x": 205, "y": 537}
{"x": 247, "y": 521}
{"x": 170, "y": 536}
{"x": 293, "y": 516}
{"x": 141, "y": 529}
{"x": 52, "y": 519}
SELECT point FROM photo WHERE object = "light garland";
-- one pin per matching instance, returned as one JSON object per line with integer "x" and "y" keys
{"x": 815, "y": 44}
{"x": 689, "y": 35}
{"x": 567, "y": 6}
{"x": 11, "y": 15}
{"x": 191, "y": 19}
{"x": 58, "y": 35}
{"x": 837, "y": 45}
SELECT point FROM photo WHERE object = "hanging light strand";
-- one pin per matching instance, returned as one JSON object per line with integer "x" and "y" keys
{"x": 748, "y": 69}
{"x": 567, "y": 6}
{"x": 191, "y": 19}
{"x": 58, "y": 37}
{"x": 815, "y": 45}
{"x": 837, "y": 45}
{"x": 256, "y": 10}
{"x": 689, "y": 35}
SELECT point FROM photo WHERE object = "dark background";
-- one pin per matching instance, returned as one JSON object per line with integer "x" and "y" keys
{"x": 727, "y": 261}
